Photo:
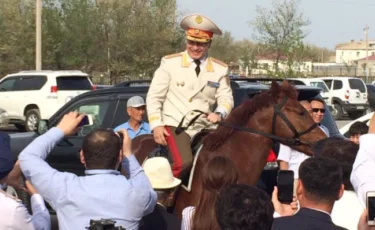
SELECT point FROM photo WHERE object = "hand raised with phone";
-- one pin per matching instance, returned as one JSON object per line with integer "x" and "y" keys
{"x": 126, "y": 142}
{"x": 69, "y": 123}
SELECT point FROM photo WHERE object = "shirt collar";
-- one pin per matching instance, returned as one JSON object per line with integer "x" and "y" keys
{"x": 142, "y": 126}
{"x": 203, "y": 60}
{"x": 320, "y": 211}
{"x": 91, "y": 172}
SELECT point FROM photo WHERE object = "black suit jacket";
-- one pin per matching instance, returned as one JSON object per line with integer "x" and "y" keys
{"x": 160, "y": 219}
{"x": 305, "y": 219}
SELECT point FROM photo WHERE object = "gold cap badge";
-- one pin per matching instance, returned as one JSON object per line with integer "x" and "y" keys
{"x": 198, "y": 19}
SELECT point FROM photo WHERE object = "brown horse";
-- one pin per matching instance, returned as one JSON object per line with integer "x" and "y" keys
{"x": 274, "y": 113}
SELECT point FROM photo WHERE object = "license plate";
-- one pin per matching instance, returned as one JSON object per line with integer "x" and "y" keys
{"x": 360, "y": 107}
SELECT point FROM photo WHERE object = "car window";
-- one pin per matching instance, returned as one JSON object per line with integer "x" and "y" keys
{"x": 97, "y": 110}
{"x": 337, "y": 84}
{"x": 7, "y": 85}
{"x": 328, "y": 83}
{"x": 73, "y": 83}
{"x": 357, "y": 84}
{"x": 121, "y": 116}
{"x": 320, "y": 85}
{"x": 30, "y": 83}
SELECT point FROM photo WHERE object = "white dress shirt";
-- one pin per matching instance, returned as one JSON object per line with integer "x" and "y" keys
{"x": 347, "y": 210}
{"x": 363, "y": 173}
{"x": 15, "y": 216}
{"x": 293, "y": 157}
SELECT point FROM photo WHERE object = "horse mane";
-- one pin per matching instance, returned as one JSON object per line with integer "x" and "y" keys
{"x": 240, "y": 115}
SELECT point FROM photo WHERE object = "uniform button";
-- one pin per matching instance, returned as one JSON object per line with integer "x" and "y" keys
{"x": 192, "y": 113}
{"x": 190, "y": 100}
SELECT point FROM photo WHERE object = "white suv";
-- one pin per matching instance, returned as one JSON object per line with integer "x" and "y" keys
{"x": 347, "y": 95}
{"x": 29, "y": 96}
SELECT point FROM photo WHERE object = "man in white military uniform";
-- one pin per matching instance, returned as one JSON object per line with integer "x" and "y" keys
{"x": 14, "y": 215}
{"x": 186, "y": 81}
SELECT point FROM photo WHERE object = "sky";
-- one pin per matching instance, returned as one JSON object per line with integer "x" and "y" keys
{"x": 332, "y": 21}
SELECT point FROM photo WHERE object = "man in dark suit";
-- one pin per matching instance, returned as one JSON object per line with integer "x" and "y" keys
{"x": 320, "y": 185}
{"x": 159, "y": 172}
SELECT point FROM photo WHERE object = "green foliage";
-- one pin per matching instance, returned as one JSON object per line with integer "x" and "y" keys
{"x": 280, "y": 28}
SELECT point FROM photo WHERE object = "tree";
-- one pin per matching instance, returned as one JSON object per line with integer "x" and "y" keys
{"x": 280, "y": 28}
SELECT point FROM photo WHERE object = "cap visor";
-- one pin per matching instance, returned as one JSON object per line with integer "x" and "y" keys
{"x": 137, "y": 105}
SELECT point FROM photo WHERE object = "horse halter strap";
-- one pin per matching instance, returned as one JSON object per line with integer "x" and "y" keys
{"x": 277, "y": 112}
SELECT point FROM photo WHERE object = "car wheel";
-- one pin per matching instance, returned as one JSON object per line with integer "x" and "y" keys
{"x": 337, "y": 111}
{"x": 20, "y": 127}
{"x": 32, "y": 119}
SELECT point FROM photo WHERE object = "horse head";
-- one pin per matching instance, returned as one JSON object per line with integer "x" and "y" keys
{"x": 291, "y": 120}
{"x": 276, "y": 114}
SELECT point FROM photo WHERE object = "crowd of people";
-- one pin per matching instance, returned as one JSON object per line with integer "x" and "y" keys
{"x": 329, "y": 190}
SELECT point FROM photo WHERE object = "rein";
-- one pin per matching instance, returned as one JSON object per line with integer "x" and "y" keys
{"x": 277, "y": 112}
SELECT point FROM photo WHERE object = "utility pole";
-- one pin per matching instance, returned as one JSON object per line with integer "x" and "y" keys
{"x": 38, "y": 46}
{"x": 367, "y": 70}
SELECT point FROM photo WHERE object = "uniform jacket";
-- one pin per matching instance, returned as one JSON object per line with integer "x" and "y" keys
{"x": 176, "y": 90}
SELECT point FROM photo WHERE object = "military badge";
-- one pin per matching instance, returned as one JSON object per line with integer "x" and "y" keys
{"x": 198, "y": 19}
{"x": 213, "y": 84}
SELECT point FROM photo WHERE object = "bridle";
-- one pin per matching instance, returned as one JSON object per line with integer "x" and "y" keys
{"x": 295, "y": 140}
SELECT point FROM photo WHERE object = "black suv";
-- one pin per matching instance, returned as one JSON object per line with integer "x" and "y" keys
{"x": 108, "y": 108}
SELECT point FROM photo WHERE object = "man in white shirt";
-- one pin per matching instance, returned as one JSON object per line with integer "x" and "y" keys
{"x": 363, "y": 176}
{"x": 14, "y": 215}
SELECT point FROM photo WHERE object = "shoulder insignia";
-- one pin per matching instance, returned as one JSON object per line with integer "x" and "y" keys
{"x": 219, "y": 62}
{"x": 173, "y": 55}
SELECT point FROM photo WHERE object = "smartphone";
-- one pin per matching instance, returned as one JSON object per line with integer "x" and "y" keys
{"x": 285, "y": 183}
{"x": 87, "y": 120}
{"x": 370, "y": 204}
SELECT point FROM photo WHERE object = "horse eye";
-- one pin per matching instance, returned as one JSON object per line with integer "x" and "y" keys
{"x": 302, "y": 113}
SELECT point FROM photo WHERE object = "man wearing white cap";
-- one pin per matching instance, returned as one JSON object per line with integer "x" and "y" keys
{"x": 186, "y": 81}
{"x": 135, "y": 126}
{"x": 160, "y": 175}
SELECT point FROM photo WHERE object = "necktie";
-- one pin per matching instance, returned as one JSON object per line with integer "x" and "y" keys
{"x": 198, "y": 68}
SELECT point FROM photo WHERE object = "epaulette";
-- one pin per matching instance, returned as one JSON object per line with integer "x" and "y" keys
{"x": 173, "y": 55}
{"x": 219, "y": 62}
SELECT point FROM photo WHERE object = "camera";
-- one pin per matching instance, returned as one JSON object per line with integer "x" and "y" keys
{"x": 103, "y": 224}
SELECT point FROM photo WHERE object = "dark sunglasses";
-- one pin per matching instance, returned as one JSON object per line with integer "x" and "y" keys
{"x": 315, "y": 110}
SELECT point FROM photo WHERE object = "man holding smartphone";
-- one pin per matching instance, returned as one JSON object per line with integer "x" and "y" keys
{"x": 103, "y": 192}
{"x": 362, "y": 176}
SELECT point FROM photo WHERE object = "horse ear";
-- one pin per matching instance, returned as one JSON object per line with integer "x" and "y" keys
{"x": 285, "y": 84}
{"x": 289, "y": 88}
{"x": 275, "y": 89}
